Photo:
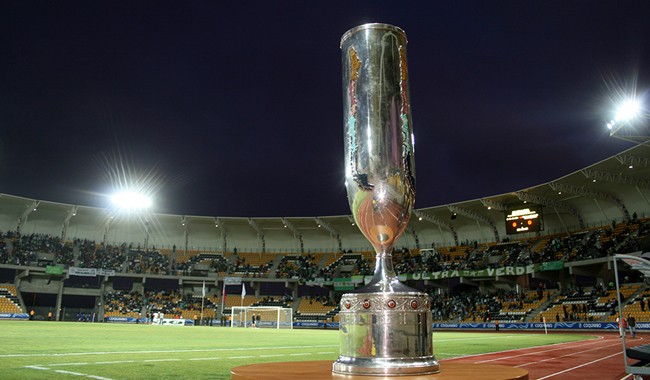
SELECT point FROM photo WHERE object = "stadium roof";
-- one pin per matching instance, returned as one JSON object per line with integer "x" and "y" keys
{"x": 612, "y": 189}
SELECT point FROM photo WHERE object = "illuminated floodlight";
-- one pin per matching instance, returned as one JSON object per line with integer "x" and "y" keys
{"x": 133, "y": 190}
{"x": 630, "y": 120}
{"x": 130, "y": 200}
{"x": 628, "y": 110}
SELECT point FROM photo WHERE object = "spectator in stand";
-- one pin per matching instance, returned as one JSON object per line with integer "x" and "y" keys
{"x": 642, "y": 304}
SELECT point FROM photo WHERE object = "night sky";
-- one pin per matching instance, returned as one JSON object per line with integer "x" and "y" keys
{"x": 235, "y": 108}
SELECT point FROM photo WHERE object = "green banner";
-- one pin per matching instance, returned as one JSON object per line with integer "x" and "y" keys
{"x": 551, "y": 265}
{"x": 358, "y": 279}
{"x": 343, "y": 284}
{"x": 349, "y": 283}
{"x": 54, "y": 269}
{"x": 489, "y": 272}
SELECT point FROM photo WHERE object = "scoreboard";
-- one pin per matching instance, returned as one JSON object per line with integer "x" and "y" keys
{"x": 524, "y": 220}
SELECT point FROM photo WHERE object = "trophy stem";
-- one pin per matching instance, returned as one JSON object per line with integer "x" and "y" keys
{"x": 384, "y": 265}
{"x": 384, "y": 278}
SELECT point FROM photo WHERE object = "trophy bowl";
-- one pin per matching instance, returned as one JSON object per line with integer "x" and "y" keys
{"x": 386, "y": 326}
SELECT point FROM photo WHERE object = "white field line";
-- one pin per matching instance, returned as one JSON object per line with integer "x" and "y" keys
{"x": 47, "y": 366}
{"x": 41, "y": 368}
{"x": 113, "y": 362}
{"x": 580, "y": 366}
{"x": 82, "y": 375}
{"x": 242, "y": 357}
{"x": 474, "y": 339}
{"x": 451, "y": 356}
{"x": 536, "y": 348}
{"x": 576, "y": 346}
{"x": 470, "y": 339}
{"x": 37, "y": 367}
{"x": 162, "y": 351}
{"x": 225, "y": 349}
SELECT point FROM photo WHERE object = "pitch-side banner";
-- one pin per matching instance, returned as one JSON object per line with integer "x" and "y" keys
{"x": 90, "y": 272}
{"x": 538, "y": 326}
{"x": 14, "y": 316}
{"x": 232, "y": 280}
{"x": 610, "y": 326}
{"x": 489, "y": 272}
{"x": 164, "y": 322}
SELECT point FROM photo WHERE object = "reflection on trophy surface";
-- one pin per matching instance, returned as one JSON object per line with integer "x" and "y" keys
{"x": 385, "y": 327}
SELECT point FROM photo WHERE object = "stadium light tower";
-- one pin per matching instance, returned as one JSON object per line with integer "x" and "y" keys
{"x": 630, "y": 122}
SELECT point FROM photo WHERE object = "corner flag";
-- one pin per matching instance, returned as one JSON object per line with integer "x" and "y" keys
{"x": 243, "y": 290}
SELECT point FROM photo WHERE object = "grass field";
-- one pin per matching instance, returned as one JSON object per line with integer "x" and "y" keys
{"x": 46, "y": 350}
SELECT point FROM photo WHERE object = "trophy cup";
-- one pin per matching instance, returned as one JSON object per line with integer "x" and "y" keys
{"x": 385, "y": 327}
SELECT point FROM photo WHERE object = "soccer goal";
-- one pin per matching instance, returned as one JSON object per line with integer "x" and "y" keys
{"x": 262, "y": 316}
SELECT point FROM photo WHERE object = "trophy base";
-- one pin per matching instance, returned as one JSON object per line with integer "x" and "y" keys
{"x": 386, "y": 366}
{"x": 386, "y": 333}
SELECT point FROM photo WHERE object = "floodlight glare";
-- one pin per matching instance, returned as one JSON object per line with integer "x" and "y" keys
{"x": 628, "y": 110}
{"x": 131, "y": 200}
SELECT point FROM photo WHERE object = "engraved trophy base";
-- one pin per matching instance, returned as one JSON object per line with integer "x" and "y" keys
{"x": 386, "y": 333}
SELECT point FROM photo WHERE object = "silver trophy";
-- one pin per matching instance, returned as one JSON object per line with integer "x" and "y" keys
{"x": 385, "y": 327}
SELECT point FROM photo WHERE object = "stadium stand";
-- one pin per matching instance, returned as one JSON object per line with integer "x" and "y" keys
{"x": 89, "y": 259}
{"x": 9, "y": 302}
{"x": 311, "y": 309}
{"x": 588, "y": 305}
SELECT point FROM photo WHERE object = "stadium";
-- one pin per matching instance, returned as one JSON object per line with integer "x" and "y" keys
{"x": 228, "y": 250}
{"x": 484, "y": 264}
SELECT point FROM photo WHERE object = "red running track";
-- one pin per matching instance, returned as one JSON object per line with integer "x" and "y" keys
{"x": 595, "y": 359}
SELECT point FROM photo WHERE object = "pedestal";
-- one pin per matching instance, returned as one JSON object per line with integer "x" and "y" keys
{"x": 322, "y": 370}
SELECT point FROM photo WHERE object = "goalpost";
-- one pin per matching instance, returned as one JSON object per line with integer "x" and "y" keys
{"x": 262, "y": 316}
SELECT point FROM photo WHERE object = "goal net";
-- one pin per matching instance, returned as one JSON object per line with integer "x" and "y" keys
{"x": 262, "y": 316}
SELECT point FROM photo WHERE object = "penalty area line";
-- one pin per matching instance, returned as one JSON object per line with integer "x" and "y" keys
{"x": 41, "y": 368}
{"x": 82, "y": 375}
{"x": 37, "y": 367}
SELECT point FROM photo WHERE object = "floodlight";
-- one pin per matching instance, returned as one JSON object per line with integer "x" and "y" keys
{"x": 630, "y": 121}
{"x": 628, "y": 110}
{"x": 131, "y": 200}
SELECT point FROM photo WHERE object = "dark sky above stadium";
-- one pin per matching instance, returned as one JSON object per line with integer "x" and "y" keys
{"x": 234, "y": 108}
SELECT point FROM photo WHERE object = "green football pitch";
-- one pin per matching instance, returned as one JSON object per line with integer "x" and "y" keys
{"x": 61, "y": 350}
